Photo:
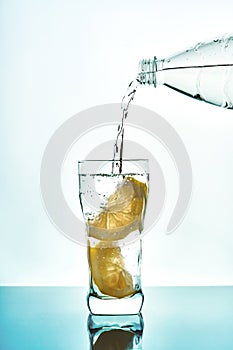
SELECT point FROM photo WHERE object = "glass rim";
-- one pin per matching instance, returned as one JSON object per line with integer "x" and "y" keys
{"x": 114, "y": 160}
{"x": 90, "y": 166}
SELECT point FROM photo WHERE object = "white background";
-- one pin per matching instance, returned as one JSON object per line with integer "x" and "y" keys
{"x": 61, "y": 57}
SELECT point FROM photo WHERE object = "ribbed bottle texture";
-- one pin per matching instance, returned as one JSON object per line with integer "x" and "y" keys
{"x": 204, "y": 71}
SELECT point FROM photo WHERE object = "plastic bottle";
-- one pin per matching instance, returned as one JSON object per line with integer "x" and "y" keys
{"x": 204, "y": 71}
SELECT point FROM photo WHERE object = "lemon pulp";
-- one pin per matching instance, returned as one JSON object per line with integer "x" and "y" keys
{"x": 122, "y": 215}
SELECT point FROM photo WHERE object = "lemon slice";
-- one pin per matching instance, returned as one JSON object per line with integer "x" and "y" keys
{"x": 109, "y": 272}
{"x": 123, "y": 212}
{"x": 122, "y": 215}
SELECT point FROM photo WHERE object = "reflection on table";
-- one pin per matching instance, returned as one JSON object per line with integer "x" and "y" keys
{"x": 115, "y": 332}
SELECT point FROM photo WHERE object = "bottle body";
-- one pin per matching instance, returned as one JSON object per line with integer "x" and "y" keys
{"x": 204, "y": 71}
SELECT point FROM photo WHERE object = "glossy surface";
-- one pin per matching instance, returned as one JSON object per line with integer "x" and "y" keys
{"x": 42, "y": 318}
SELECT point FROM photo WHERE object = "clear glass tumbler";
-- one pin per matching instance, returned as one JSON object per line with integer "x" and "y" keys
{"x": 113, "y": 206}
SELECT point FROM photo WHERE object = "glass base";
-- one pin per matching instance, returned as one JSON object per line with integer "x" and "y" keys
{"x": 113, "y": 306}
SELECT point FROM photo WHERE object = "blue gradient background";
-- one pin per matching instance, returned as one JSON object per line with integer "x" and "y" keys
{"x": 60, "y": 57}
{"x": 42, "y": 318}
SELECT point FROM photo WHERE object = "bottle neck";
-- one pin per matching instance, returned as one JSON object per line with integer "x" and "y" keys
{"x": 147, "y": 71}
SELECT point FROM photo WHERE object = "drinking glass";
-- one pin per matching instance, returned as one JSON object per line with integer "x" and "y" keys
{"x": 113, "y": 205}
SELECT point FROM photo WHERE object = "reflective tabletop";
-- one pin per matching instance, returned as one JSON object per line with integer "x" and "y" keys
{"x": 56, "y": 318}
